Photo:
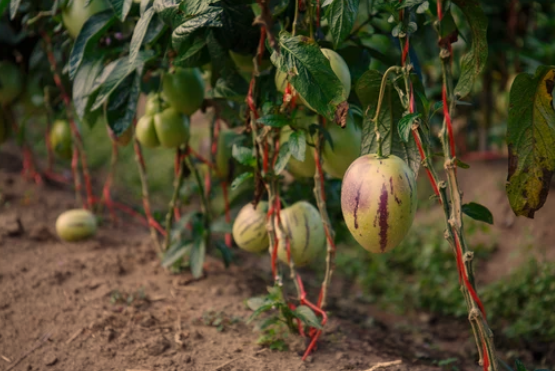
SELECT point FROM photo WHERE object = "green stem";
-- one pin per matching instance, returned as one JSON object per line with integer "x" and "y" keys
{"x": 392, "y": 69}
{"x": 296, "y": 18}
{"x": 177, "y": 183}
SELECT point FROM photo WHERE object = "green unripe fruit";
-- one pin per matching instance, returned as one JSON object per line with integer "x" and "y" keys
{"x": 76, "y": 225}
{"x": 299, "y": 169}
{"x": 249, "y": 229}
{"x": 378, "y": 200}
{"x": 184, "y": 89}
{"x": 338, "y": 66}
{"x": 76, "y": 14}
{"x": 146, "y": 132}
{"x": 226, "y": 138}
{"x": 11, "y": 82}
{"x": 346, "y": 148}
{"x": 155, "y": 104}
{"x": 172, "y": 128}
{"x": 245, "y": 62}
{"x": 303, "y": 226}
{"x": 60, "y": 139}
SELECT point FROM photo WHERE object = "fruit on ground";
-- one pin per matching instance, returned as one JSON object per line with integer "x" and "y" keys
{"x": 345, "y": 150}
{"x": 245, "y": 64}
{"x": 11, "y": 82}
{"x": 60, "y": 139}
{"x": 146, "y": 132}
{"x": 249, "y": 228}
{"x": 303, "y": 227}
{"x": 76, "y": 225}
{"x": 172, "y": 128}
{"x": 299, "y": 169}
{"x": 378, "y": 200}
{"x": 184, "y": 89}
{"x": 75, "y": 14}
{"x": 338, "y": 66}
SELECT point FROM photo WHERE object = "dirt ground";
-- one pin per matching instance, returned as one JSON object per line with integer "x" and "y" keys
{"x": 107, "y": 304}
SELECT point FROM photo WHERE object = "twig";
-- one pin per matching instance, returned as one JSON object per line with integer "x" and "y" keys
{"x": 37, "y": 345}
{"x": 226, "y": 363}
{"x": 265, "y": 20}
{"x": 74, "y": 336}
{"x": 385, "y": 364}
{"x": 6, "y": 359}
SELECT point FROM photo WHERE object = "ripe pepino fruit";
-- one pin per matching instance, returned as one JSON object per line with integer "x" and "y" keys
{"x": 249, "y": 229}
{"x": 303, "y": 225}
{"x": 76, "y": 225}
{"x": 299, "y": 169}
{"x": 345, "y": 150}
{"x": 378, "y": 200}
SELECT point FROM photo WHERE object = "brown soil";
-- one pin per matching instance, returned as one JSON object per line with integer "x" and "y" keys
{"x": 68, "y": 306}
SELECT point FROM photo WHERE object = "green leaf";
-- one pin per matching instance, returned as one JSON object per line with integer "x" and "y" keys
{"x": 520, "y": 366}
{"x": 121, "y": 118}
{"x": 310, "y": 73}
{"x": 531, "y": 140}
{"x": 3, "y": 6}
{"x": 138, "y": 35}
{"x": 198, "y": 254}
{"x": 14, "y": 6}
{"x": 473, "y": 62}
{"x": 209, "y": 17}
{"x": 174, "y": 253}
{"x": 83, "y": 86}
{"x": 227, "y": 254}
{"x": 256, "y": 302}
{"x": 341, "y": 16}
{"x": 244, "y": 155}
{"x": 297, "y": 144}
{"x": 274, "y": 120}
{"x": 478, "y": 212}
{"x": 307, "y": 316}
{"x": 461, "y": 164}
{"x": 194, "y": 53}
{"x": 368, "y": 91}
{"x": 240, "y": 179}
{"x": 259, "y": 311}
{"x": 88, "y": 37}
{"x": 121, "y": 8}
{"x": 405, "y": 125}
{"x": 283, "y": 157}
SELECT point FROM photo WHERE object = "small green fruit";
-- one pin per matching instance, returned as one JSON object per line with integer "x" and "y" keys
{"x": 184, "y": 89}
{"x": 302, "y": 224}
{"x": 378, "y": 200}
{"x": 146, "y": 132}
{"x": 11, "y": 82}
{"x": 224, "y": 160}
{"x": 61, "y": 140}
{"x": 155, "y": 104}
{"x": 299, "y": 169}
{"x": 172, "y": 128}
{"x": 76, "y": 14}
{"x": 249, "y": 228}
{"x": 76, "y": 225}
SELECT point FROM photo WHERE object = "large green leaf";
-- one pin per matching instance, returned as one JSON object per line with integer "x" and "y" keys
{"x": 341, "y": 15}
{"x": 121, "y": 118}
{"x": 208, "y": 16}
{"x": 391, "y": 112}
{"x": 121, "y": 8}
{"x": 307, "y": 316}
{"x": 531, "y": 140}
{"x": 83, "y": 86}
{"x": 474, "y": 61}
{"x": 139, "y": 34}
{"x": 92, "y": 31}
{"x": 310, "y": 73}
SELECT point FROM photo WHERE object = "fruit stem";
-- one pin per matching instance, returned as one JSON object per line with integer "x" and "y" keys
{"x": 144, "y": 188}
{"x": 296, "y": 18}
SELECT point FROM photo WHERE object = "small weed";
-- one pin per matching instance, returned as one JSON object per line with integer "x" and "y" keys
{"x": 219, "y": 320}
{"x": 121, "y": 297}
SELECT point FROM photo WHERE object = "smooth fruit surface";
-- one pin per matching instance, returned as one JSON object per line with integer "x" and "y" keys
{"x": 11, "y": 82}
{"x": 249, "y": 229}
{"x": 154, "y": 104}
{"x": 226, "y": 138}
{"x": 303, "y": 226}
{"x": 346, "y": 148}
{"x": 378, "y": 200}
{"x": 76, "y": 225}
{"x": 172, "y": 128}
{"x": 146, "y": 132}
{"x": 76, "y": 14}
{"x": 299, "y": 169}
{"x": 60, "y": 139}
{"x": 184, "y": 89}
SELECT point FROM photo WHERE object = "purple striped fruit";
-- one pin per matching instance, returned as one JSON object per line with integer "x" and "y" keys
{"x": 378, "y": 200}
{"x": 249, "y": 229}
{"x": 303, "y": 226}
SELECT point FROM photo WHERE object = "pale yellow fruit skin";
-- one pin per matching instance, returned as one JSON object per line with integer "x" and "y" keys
{"x": 302, "y": 223}
{"x": 346, "y": 148}
{"x": 299, "y": 169}
{"x": 378, "y": 200}
{"x": 146, "y": 132}
{"x": 249, "y": 230}
{"x": 76, "y": 225}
